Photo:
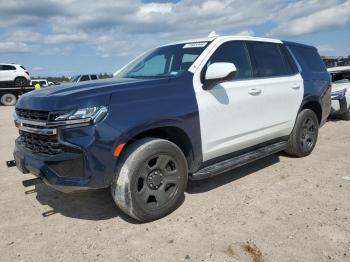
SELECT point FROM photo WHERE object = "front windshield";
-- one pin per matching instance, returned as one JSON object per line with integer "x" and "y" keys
{"x": 164, "y": 61}
{"x": 75, "y": 79}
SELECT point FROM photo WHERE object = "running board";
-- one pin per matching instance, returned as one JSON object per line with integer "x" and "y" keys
{"x": 232, "y": 163}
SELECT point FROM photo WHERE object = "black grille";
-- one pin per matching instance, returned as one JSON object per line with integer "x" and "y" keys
{"x": 43, "y": 144}
{"x": 32, "y": 114}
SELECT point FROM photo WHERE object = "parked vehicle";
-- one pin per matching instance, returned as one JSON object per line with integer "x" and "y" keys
{"x": 83, "y": 78}
{"x": 14, "y": 81}
{"x": 13, "y": 75}
{"x": 42, "y": 82}
{"x": 340, "y": 92}
{"x": 9, "y": 95}
{"x": 187, "y": 110}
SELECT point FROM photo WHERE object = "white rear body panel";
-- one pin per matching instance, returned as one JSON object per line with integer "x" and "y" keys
{"x": 238, "y": 114}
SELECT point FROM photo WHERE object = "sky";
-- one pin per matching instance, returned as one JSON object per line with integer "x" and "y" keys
{"x": 69, "y": 37}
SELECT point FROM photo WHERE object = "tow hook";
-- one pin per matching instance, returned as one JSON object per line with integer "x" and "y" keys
{"x": 11, "y": 163}
{"x": 32, "y": 182}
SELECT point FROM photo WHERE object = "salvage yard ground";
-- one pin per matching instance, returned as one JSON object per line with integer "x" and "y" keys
{"x": 277, "y": 209}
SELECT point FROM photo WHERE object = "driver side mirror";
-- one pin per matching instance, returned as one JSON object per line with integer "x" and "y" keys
{"x": 219, "y": 72}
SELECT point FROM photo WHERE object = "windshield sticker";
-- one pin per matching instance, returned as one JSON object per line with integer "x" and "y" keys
{"x": 194, "y": 45}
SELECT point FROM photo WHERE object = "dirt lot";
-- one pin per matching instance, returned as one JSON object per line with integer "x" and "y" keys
{"x": 277, "y": 209}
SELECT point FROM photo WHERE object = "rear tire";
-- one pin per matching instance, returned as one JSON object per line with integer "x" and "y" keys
{"x": 21, "y": 82}
{"x": 8, "y": 99}
{"x": 304, "y": 136}
{"x": 150, "y": 180}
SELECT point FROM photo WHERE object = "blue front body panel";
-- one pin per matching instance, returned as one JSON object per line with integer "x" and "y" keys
{"x": 134, "y": 106}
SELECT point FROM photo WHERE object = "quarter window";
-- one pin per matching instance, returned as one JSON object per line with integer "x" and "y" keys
{"x": 310, "y": 57}
{"x": 268, "y": 60}
{"x": 232, "y": 52}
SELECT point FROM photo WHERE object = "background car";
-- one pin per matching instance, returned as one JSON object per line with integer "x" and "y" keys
{"x": 82, "y": 78}
{"x": 340, "y": 91}
{"x": 42, "y": 82}
{"x": 13, "y": 74}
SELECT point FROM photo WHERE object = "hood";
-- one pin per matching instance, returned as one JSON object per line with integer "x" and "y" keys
{"x": 74, "y": 95}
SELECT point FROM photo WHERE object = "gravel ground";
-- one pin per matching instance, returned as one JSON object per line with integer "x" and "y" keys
{"x": 276, "y": 209}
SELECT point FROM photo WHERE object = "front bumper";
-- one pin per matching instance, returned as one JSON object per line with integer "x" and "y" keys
{"x": 54, "y": 170}
{"x": 339, "y": 103}
{"x": 85, "y": 159}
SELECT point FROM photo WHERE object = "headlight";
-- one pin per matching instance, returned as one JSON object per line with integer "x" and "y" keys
{"x": 82, "y": 115}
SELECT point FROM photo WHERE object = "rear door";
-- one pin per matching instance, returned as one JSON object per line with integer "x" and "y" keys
{"x": 281, "y": 88}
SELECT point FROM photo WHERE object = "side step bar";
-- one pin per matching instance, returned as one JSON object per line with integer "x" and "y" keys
{"x": 232, "y": 163}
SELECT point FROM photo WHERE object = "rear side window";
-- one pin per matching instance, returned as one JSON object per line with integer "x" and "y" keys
{"x": 310, "y": 58}
{"x": 8, "y": 67}
{"x": 268, "y": 60}
{"x": 84, "y": 78}
{"x": 232, "y": 52}
{"x": 93, "y": 77}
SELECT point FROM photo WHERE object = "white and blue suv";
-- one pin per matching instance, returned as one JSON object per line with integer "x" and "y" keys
{"x": 187, "y": 110}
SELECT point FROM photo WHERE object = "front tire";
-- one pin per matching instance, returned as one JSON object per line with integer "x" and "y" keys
{"x": 151, "y": 179}
{"x": 304, "y": 136}
{"x": 8, "y": 99}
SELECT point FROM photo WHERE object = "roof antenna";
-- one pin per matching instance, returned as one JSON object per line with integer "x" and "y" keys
{"x": 213, "y": 34}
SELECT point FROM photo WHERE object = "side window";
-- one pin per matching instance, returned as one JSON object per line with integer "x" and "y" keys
{"x": 0, "y": 67}
{"x": 290, "y": 63}
{"x": 84, "y": 78}
{"x": 232, "y": 52}
{"x": 267, "y": 60}
{"x": 93, "y": 77}
{"x": 8, "y": 67}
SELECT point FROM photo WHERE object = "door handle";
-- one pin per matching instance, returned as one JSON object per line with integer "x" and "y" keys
{"x": 296, "y": 86}
{"x": 254, "y": 91}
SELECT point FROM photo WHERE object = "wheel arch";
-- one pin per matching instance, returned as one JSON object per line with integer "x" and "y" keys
{"x": 315, "y": 106}
{"x": 171, "y": 133}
